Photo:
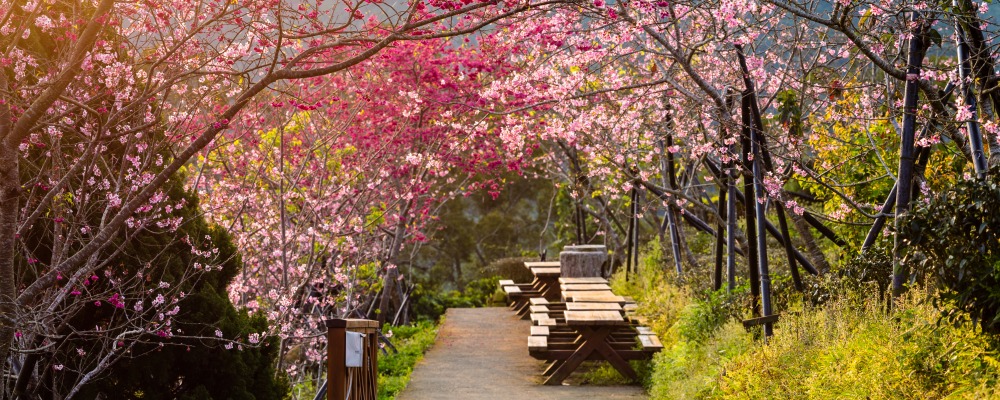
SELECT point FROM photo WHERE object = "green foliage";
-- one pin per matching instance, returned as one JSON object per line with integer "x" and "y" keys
{"x": 471, "y": 231}
{"x": 873, "y": 266}
{"x": 955, "y": 237}
{"x": 394, "y": 369}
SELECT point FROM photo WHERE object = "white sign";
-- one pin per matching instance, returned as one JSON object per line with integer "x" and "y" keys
{"x": 355, "y": 351}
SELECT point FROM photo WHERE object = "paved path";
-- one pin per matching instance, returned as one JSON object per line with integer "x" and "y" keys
{"x": 482, "y": 353}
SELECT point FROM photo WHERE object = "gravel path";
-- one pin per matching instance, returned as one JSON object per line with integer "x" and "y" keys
{"x": 481, "y": 353}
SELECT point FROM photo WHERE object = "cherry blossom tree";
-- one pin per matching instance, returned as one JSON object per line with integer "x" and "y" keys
{"x": 355, "y": 168}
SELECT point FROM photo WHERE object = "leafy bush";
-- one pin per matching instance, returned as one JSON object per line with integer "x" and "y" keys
{"x": 955, "y": 237}
{"x": 875, "y": 265}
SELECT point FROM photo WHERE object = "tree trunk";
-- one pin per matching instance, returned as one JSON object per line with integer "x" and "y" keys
{"x": 392, "y": 273}
{"x": 9, "y": 195}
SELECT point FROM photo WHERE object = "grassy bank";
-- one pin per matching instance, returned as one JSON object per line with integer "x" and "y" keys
{"x": 394, "y": 369}
{"x": 852, "y": 346}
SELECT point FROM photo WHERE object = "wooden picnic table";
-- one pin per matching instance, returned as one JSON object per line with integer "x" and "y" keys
{"x": 594, "y": 329}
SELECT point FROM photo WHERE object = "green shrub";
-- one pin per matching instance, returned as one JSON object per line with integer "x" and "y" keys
{"x": 429, "y": 305}
{"x": 701, "y": 319}
{"x": 955, "y": 237}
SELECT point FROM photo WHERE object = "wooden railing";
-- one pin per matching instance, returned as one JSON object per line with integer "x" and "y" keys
{"x": 351, "y": 383}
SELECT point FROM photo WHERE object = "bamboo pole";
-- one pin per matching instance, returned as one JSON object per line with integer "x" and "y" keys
{"x": 923, "y": 155}
{"x": 904, "y": 180}
{"x": 972, "y": 124}
{"x": 749, "y": 205}
{"x": 719, "y": 239}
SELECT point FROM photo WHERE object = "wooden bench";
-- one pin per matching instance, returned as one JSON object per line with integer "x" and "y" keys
{"x": 650, "y": 343}
{"x": 538, "y": 344}
{"x": 543, "y": 264}
{"x": 584, "y": 280}
{"x": 593, "y": 297}
{"x": 539, "y": 319}
{"x": 585, "y": 287}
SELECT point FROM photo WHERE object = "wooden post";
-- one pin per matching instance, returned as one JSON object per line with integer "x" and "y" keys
{"x": 629, "y": 234}
{"x": 336, "y": 370}
{"x": 363, "y": 382}
{"x": 923, "y": 155}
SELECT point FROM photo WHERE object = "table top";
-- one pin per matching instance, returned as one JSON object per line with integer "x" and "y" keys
{"x": 581, "y": 306}
{"x": 594, "y": 318}
{"x": 571, "y": 287}
{"x": 594, "y": 279}
{"x": 592, "y": 297}
{"x": 545, "y": 271}
{"x": 532, "y": 264}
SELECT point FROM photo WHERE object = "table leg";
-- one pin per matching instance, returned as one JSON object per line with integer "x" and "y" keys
{"x": 592, "y": 339}
{"x": 552, "y": 291}
{"x": 553, "y": 367}
{"x": 617, "y": 361}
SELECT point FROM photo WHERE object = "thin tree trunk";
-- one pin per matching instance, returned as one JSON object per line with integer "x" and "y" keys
{"x": 391, "y": 273}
